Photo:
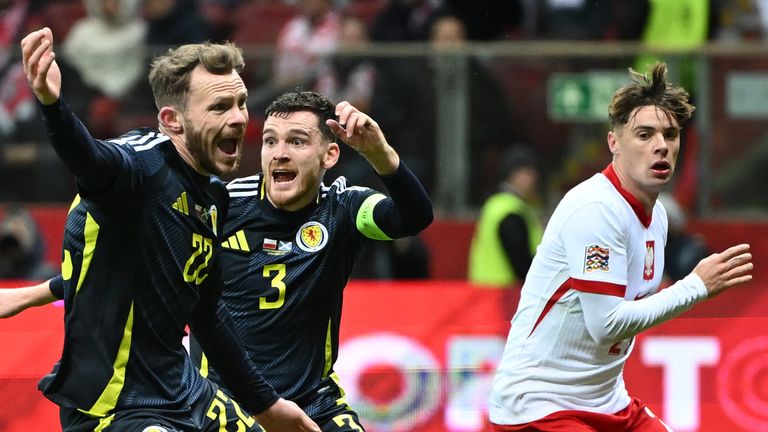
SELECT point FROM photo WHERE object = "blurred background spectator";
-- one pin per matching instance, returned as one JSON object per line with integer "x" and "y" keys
{"x": 489, "y": 20}
{"x": 509, "y": 228}
{"x": 175, "y": 22}
{"x": 681, "y": 24}
{"x": 684, "y": 248}
{"x": 107, "y": 46}
{"x": 572, "y": 19}
{"x": 16, "y": 101}
{"x": 490, "y": 119}
{"x": 348, "y": 77}
{"x": 107, "y": 52}
{"x": 302, "y": 43}
{"x": 22, "y": 249}
{"x": 220, "y": 17}
{"x": 404, "y": 21}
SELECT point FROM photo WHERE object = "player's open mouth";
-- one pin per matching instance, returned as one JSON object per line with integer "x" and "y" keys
{"x": 661, "y": 167}
{"x": 283, "y": 176}
{"x": 228, "y": 145}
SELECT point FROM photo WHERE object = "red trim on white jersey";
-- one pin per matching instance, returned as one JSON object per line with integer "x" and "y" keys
{"x": 637, "y": 206}
{"x": 558, "y": 294}
{"x": 599, "y": 287}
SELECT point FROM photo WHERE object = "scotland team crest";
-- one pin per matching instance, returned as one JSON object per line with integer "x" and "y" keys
{"x": 312, "y": 236}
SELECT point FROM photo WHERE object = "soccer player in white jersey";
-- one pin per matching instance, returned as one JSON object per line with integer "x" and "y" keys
{"x": 593, "y": 284}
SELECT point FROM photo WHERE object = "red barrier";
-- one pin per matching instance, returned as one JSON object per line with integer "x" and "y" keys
{"x": 419, "y": 357}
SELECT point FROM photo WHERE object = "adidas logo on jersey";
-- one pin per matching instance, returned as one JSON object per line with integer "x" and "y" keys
{"x": 237, "y": 241}
{"x": 181, "y": 204}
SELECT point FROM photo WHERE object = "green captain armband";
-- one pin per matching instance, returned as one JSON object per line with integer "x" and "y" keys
{"x": 365, "y": 223}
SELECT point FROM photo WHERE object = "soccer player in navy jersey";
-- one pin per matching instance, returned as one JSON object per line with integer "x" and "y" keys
{"x": 141, "y": 257}
{"x": 290, "y": 243}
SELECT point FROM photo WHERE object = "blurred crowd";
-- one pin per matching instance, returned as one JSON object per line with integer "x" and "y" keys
{"x": 104, "y": 47}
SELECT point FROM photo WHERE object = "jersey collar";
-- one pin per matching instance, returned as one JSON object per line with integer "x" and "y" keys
{"x": 637, "y": 206}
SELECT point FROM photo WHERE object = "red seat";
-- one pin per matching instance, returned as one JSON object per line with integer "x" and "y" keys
{"x": 60, "y": 15}
{"x": 260, "y": 22}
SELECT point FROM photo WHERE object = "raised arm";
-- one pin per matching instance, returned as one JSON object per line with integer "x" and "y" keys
{"x": 608, "y": 316}
{"x": 408, "y": 210}
{"x": 93, "y": 163}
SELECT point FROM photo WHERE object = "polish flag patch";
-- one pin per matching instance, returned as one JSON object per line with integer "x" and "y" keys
{"x": 270, "y": 244}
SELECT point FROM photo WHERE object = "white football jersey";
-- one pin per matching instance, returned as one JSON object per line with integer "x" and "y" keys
{"x": 600, "y": 242}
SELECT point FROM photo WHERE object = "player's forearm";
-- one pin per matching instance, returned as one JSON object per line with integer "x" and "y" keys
{"x": 16, "y": 300}
{"x": 385, "y": 161}
{"x": 222, "y": 346}
{"x": 409, "y": 209}
{"x": 94, "y": 165}
{"x": 610, "y": 319}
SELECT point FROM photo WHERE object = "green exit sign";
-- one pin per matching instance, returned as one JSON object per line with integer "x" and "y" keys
{"x": 582, "y": 97}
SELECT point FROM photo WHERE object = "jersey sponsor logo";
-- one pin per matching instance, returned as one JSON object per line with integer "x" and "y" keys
{"x": 650, "y": 257}
{"x": 596, "y": 259}
{"x": 312, "y": 237}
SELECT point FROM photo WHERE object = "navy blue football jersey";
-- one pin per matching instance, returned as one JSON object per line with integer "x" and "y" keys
{"x": 284, "y": 277}
{"x": 136, "y": 259}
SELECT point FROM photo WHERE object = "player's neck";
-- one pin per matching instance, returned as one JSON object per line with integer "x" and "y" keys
{"x": 186, "y": 155}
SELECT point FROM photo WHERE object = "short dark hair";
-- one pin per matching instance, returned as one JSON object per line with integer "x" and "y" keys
{"x": 650, "y": 91}
{"x": 170, "y": 73}
{"x": 305, "y": 101}
{"x": 514, "y": 158}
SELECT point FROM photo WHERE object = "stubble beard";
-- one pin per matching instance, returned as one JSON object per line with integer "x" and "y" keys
{"x": 197, "y": 148}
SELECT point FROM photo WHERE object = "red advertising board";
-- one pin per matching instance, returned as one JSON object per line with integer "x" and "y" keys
{"x": 419, "y": 357}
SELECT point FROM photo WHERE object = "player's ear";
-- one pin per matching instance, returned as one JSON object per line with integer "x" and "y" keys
{"x": 331, "y": 155}
{"x": 170, "y": 119}
{"x": 613, "y": 142}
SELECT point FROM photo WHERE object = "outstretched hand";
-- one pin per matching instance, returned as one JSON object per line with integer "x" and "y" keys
{"x": 286, "y": 416}
{"x": 40, "y": 68}
{"x": 359, "y": 131}
{"x": 724, "y": 270}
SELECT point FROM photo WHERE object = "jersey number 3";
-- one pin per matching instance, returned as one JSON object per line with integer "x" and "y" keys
{"x": 277, "y": 283}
